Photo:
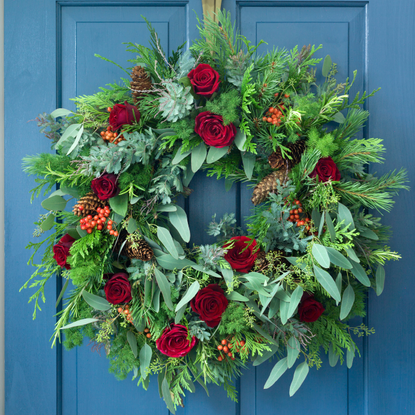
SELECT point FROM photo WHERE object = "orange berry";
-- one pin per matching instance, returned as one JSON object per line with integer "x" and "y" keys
{"x": 230, "y": 345}
{"x": 269, "y": 119}
{"x": 224, "y": 342}
{"x": 286, "y": 96}
{"x": 220, "y": 347}
{"x": 264, "y": 118}
{"x": 242, "y": 343}
{"x": 116, "y": 233}
{"x": 126, "y": 311}
{"x": 148, "y": 335}
{"x": 146, "y": 330}
{"x": 276, "y": 94}
{"x": 109, "y": 109}
{"x": 89, "y": 230}
{"x": 232, "y": 358}
{"x": 225, "y": 349}
{"x": 120, "y": 309}
{"x": 230, "y": 354}
{"x": 220, "y": 358}
{"x": 271, "y": 110}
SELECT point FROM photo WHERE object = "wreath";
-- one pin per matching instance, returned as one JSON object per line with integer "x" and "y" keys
{"x": 284, "y": 286}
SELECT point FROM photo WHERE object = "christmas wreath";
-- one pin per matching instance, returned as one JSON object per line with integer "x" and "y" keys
{"x": 282, "y": 287}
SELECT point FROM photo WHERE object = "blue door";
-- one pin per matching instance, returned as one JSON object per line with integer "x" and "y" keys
{"x": 49, "y": 58}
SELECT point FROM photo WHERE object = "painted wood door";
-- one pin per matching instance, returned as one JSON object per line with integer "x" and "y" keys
{"x": 49, "y": 58}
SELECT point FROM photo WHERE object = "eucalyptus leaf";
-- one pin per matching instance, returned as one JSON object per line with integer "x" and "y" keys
{"x": 380, "y": 279}
{"x": 167, "y": 396}
{"x": 170, "y": 263}
{"x": 345, "y": 216}
{"x": 347, "y": 302}
{"x": 179, "y": 156}
{"x": 333, "y": 357}
{"x": 48, "y": 223}
{"x": 164, "y": 287}
{"x": 248, "y": 160}
{"x": 320, "y": 228}
{"x": 119, "y": 204}
{"x": 96, "y": 302}
{"x": 54, "y": 203}
{"x": 76, "y": 142}
{"x": 71, "y": 131}
{"x": 338, "y": 259}
{"x": 295, "y": 300}
{"x": 301, "y": 372}
{"x": 132, "y": 225}
{"x": 187, "y": 176}
{"x": 327, "y": 282}
{"x": 227, "y": 276}
{"x": 145, "y": 360}
{"x": 228, "y": 184}
{"x": 206, "y": 271}
{"x": 339, "y": 283}
{"x": 293, "y": 350}
{"x": 60, "y": 112}
{"x": 339, "y": 118}
{"x": 360, "y": 274}
{"x": 198, "y": 157}
{"x": 321, "y": 255}
{"x": 315, "y": 216}
{"x": 132, "y": 341}
{"x": 277, "y": 371}
{"x": 71, "y": 191}
{"x": 78, "y": 323}
{"x": 167, "y": 208}
{"x": 179, "y": 315}
{"x": 156, "y": 300}
{"x": 326, "y": 66}
{"x": 350, "y": 357}
{"x": 178, "y": 219}
{"x": 352, "y": 254}
{"x": 215, "y": 154}
{"x": 284, "y": 307}
{"x": 330, "y": 227}
{"x": 369, "y": 234}
{"x": 240, "y": 140}
{"x": 166, "y": 239}
{"x": 190, "y": 293}
{"x": 235, "y": 296}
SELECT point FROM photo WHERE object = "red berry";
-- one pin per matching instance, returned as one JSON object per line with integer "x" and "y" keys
{"x": 89, "y": 217}
{"x": 224, "y": 341}
{"x": 89, "y": 230}
{"x": 80, "y": 207}
{"x": 99, "y": 227}
{"x": 220, "y": 358}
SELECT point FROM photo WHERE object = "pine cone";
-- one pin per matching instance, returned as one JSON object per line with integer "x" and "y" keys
{"x": 267, "y": 185}
{"x": 139, "y": 249}
{"x": 297, "y": 149}
{"x": 90, "y": 203}
{"x": 141, "y": 81}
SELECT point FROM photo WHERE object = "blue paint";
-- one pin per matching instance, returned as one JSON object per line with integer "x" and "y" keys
{"x": 49, "y": 58}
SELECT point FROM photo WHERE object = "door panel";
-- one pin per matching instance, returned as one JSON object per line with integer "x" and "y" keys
{"x": 49, "y": 58}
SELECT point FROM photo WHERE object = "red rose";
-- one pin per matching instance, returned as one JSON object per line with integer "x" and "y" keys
{"x": 174, "y": 342}
{"x": 212, "y": 131}
{"x": 118, "y": 289}
{"x": 309, "y": 309}
{"x": 122, "y": 114}
{"x": 61, "y": 250}
{"x": 210, "y": 303}
{"x": 243, "y": 254}
{"x": 205, "y": 80}
{"x": 326, "y": 169}
{"x": 105, "y": 186}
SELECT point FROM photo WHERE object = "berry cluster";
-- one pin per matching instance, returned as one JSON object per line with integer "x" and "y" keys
{"x": 274, "y": 115}
{"x": 126, "y": 311}
{"x": 298, "y": 216}
{"x": 225, "y": 349}
{"x": 112, "y": 137}
{"x": 147, "y": 333}
{"x": 90, "y": 222}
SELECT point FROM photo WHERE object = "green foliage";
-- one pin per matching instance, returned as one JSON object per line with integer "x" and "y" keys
{"x": 137, "y": 175}
{"x": 121, "y": 357}
{"x": 233, "y": 320}
{"x": 227, "y": 105}
{"x": 117, "y": 158}
{"x": 93, "y": 108}
{"x": 175, "y": 102}
{"x": 324, "y": 144}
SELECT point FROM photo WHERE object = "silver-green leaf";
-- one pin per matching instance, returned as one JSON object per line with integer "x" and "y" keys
{"x": 347, "y": 302}
{"x": 164, "y": 286}
{"x": 321, "y": 255}
{"x": 277, "y": 371}
{"x": 327, "y": 282}
{"x": 300, "y": 374}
